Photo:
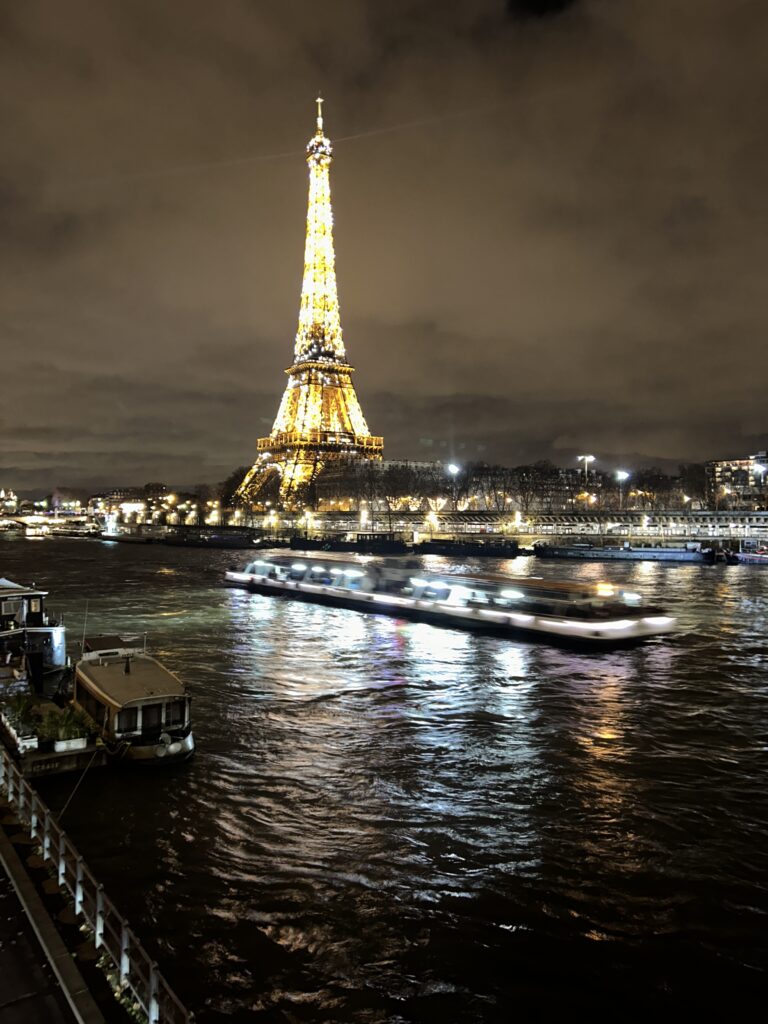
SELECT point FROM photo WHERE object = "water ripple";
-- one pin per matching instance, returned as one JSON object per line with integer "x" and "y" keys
{"x": 390, "y": 822}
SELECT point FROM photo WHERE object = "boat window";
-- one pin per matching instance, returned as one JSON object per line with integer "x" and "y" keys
{"x": 151, "y": 717}
{"x": 128, "y": 720}
{"x": 90, "y": 704}
{"x": 175, "y": 712}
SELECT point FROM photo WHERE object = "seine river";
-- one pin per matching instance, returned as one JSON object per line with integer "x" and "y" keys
{"x": 392, "y": 822}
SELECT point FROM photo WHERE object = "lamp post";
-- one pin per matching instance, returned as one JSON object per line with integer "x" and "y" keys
{"x": 586, "y": 459}
{"x": 622, "y": 476}
{"x": 453, "y": 469}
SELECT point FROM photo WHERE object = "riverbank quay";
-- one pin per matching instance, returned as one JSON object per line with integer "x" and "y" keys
{"x": 120, "y": 975}
{"x": 485, "y": 530}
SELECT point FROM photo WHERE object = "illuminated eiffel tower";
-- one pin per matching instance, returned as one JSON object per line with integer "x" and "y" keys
{"x": 319, "y": 418}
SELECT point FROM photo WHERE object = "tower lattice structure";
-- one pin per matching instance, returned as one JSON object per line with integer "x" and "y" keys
{"x": 319, "y": 418}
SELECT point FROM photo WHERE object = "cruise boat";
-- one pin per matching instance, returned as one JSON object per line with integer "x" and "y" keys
{"x": 140, "y": 708}
{"x": 32, "y": 642}
{"x": 595, "y": 614}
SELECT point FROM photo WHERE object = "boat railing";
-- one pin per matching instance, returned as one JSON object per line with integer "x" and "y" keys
{"x": 134, "y": 971}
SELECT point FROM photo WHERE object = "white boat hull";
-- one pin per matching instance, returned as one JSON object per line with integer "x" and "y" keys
{"x": 600, "y": 633}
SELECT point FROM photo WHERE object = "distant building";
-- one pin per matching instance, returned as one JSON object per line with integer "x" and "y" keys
{"x": 738, "y": 482}
{"x": 110, "y": 500}
{"x": 9, "y": 503}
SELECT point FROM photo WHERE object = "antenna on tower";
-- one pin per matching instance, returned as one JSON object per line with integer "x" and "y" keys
{"x": 319, "y": 113}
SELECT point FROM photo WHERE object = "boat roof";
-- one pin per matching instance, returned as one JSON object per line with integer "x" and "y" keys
{"x": 476, "y": 579}
{"x": 147, "y": 678}
{"x": 10, "y": 589}
{"x": 112, "y": 641}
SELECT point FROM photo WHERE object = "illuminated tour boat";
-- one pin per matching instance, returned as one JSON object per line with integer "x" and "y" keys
{"x": 596, "y": 614}
{"x": 140, "y": 708}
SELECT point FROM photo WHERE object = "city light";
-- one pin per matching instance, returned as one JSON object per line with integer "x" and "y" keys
{"x": 586, "y": 459}
{"x": 622, "y": 476}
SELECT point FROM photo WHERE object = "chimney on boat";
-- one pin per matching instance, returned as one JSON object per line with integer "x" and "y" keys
{"x": 127, "y": 667}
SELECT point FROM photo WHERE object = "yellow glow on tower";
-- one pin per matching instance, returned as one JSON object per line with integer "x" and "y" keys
{"x": 319, "y": 416}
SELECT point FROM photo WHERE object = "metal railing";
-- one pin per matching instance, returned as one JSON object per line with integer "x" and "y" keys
{"x": 137, "y": 972}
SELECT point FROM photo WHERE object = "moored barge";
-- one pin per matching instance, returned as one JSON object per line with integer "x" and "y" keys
{"x": 692, "y": 553}
{"x": 594, "y": 614}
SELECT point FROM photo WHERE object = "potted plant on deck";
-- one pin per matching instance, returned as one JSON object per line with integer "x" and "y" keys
{"x": 70, "y": 730}
{"x": 17, "y": 715}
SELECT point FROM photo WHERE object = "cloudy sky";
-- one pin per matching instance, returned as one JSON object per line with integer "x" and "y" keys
{"x": 551, "y": 226}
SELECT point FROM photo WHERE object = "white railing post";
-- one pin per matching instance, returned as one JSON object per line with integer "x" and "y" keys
{"x": 98, "y": 938}
{"x": 153, "y": 1008}
{"x": 2, "y": 767}
{"x": 79, "y": 886}
{"x": 125, "y": 959}
{"x": 11, "y": 780}
{"x": 46, "y": 835}
{"x": 62, "y": 863}
{"x": 33, "y": 815}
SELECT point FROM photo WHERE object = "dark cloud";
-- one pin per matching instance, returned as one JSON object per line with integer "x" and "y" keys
{"x": 537, "y": 8}
{"x": 551, "y": 231}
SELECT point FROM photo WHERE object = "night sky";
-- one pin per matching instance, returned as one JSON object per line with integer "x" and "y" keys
{"x": 550, "y": 224}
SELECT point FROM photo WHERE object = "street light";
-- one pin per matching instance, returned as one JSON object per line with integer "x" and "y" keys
{"x": 622, "y": 476}
{"x": 453, "y": 469}
{"x": 586, "y": 459}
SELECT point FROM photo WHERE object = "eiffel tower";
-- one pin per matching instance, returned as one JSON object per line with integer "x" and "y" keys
{"x": 319, "y": 419}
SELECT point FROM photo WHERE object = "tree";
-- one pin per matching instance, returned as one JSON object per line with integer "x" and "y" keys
{"x": 692, "y": 479}
{"x": 225, "y": 491}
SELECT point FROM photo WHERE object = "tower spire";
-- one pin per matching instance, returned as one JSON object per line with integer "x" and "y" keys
{"x": 319, "y": 331}
{"x": 319, "y": 418}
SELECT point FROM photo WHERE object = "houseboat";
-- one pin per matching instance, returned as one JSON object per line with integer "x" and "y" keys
{"x": 32, "y": 643}
{"x": 596, "y": 614}
{"x": 140, "y": 709}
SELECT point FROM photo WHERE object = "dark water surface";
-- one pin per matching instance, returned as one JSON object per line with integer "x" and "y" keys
{"x": 387, "y": 821}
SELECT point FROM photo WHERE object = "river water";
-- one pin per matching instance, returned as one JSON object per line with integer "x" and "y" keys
{"x": 392, "y": 822}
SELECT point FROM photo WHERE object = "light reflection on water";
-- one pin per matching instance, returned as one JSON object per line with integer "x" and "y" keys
{"x": 387, "y": 821}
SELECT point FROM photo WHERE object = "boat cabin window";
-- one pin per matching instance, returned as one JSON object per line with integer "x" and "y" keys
{"x": 175, "y": 712}
{"x": 91, "y": 705}
{"x": 128, "y": 720}
{"x": 151, "y": 717}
